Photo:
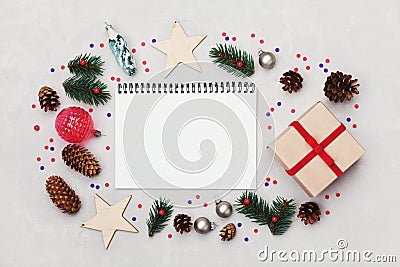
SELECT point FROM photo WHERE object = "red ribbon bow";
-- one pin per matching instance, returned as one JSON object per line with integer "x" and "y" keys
{"x": 317, "y": 149}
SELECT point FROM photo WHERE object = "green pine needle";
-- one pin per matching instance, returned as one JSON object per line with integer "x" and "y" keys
{"x": 259, "y": 211}
{"x": 92, "y": 68}
{"x": 227, "y": 57}
{"x": 156, "y": 222}
{"x": 81, "y": 89}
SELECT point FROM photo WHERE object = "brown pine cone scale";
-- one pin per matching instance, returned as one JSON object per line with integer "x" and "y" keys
{"x": 309, "y": 213}
{"x": 48, "y": 99}
{"x": 292, "y": 81}
{"x": 228, "y": 232}
{"x": 62, "y": 195}
{"x": 81, "y": 160}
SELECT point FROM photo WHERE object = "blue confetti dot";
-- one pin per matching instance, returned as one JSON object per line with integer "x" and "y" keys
{"x": 52, "y": 70}
{"x": 239, "y": 224}
{"x": 321, "y": 65}
{"x": 246, "y": 239}
{"x": 52, "y": 148}
{"x": 91, "y": 185}
{"x": 153, "y": 40}
{"x": 134, "y": 219}
{"x": 268, "y": 114}
{"x": 348, "y": 119}
{"x": 325, "y": 70}
{"x": 189, "y": 202}
{"x": 108, "y": 114}
{"x": 266, "y": 184}
{"x": 97, "y": 187}
{"x": 279, "y": 104}
{"x": 227, "y": 38}
{"x": 91, "y": 45}
{"x": 277, "y": 50}
{"x": 41, "y": 168}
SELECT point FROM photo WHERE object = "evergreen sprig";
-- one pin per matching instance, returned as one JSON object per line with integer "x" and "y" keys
{"x": 259, "y": 211}
{"x": 82, "y": 88}
{"x": 227, "y": 58}
{"x": 156, "y": 221}
{"x": 91, "y": 68}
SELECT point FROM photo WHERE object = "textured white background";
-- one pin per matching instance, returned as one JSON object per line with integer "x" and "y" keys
{"x": 361, "y": 37}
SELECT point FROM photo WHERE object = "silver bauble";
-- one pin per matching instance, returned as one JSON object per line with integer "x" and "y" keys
{"x": 223, "y": 209}
{"x": 202, "y": 225}
{"x": 267, "y": 60}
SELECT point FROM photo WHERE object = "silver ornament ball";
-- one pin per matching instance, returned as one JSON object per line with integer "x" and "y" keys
{"x": 267, "y": 60}
{"x": 223, "y": 209}
{"x": 202, "y": 225}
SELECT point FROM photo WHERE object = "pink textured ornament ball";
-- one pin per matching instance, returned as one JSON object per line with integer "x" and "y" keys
{"x": 75, "y": 125}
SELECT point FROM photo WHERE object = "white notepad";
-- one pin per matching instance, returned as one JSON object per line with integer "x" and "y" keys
{"x": 189, "y": 135}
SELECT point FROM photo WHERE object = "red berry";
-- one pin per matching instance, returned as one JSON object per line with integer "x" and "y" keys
{"x": 239, "y": 64}
{"x": 96, "y": 90}
{"x": 274, "y": 219}
{"x": 161, "y": 212}
{"x": 82, "y": 62}
{"x": 246, "y": 201}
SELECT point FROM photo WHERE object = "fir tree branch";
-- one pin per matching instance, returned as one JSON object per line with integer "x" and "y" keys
{"x": 156, "y": 221}
{"x": 82, "y": 89}
{"x": 284, "y": 210}
{"x": 227, "y": 57}
{"x": 91, "y": 68}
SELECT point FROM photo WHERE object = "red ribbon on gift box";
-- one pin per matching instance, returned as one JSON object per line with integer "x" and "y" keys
{"x": 317, "y": 149}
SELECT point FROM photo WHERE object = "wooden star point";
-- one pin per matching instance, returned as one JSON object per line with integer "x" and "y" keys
{"x": 109, "y": 219}
{"x": 179, "y": 49}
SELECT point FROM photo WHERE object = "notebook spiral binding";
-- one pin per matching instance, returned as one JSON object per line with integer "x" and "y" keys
{"x": 193, "y": 87}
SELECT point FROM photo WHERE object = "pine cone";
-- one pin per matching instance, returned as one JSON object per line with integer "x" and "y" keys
{"x": 292, "y": 81}
{"x": 62, "y": 195}
{"x": 182, "y": 223}
{"x": 81, "y": 160}
{"x": 228, "y": 232}
{"x": 309, "y": 212}
{"x": 339, "y": 86}
{"x": 48, "y": 99}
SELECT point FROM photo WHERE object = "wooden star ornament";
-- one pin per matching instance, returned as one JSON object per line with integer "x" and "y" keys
{"x": 109, "y": 219}
{"x": 179, "y": 48}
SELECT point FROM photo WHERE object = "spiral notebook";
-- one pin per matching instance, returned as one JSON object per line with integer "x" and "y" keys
{"x": 194, "y": 135}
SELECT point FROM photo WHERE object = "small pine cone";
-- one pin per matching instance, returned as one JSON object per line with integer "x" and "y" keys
{"x": 339, "y": 86}
{"x": 182, "y": 223}
{"x": 228, "y": 232}
{"x": 48, "y": 99}
{"x": 309, "y": 212}
{"x": 62, "y": 195}
{"x": 292, "y": 81}
{"x": 81, "y": 160}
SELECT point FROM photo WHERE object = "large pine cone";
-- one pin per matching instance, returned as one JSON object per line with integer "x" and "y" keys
{"x": 182, "y": 223}
{"x": 339, "y": 86}
{"x": 292, "y": 81}
{"x": 62, "y": 195}
{"x": 48, "y": 99}
{"x": 81, "y": 160}
{"x": 309, "y": 212}
{"x": 228, "y": 232}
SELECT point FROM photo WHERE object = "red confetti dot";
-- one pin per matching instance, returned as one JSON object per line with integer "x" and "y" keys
{"x": 197, "y": 196}
{"x": 205, "y": 204}
{"x": 327, "y": 60}
{"x": 292, "y": 110}
{"x": 169, "y": 236}
{"x": 274, "y": 181}
{"x": 140, "y": 206}
{"x": 327, "y": 212}
{"x": 144, "y": 62}
{"x": 52, "y": 159}
{"x": 255, "y": 231}
{"x": 46, "y": 147}
{"x": 354, "y": 126}
{"x": 36, "y": 127}
{"x": 133, "y": 50}
{"x": 356, "y": 106}
{"x": 62, "y": 67}
{"x": 308, "y": 67}
{"x": 252, "y": 35}
{"x": 146, "y": 69}
{"x": 298, "y": 55}
{"x": 337, "y": 194}
{"x": 304, "y": 58}
{"x": 233, "y": 38}
{"x": 261, "y": 41}
{"x": 296, "y": 69}
{"x": 326, "y": 196}
{"x": 51, "y": 140}
{"x": 112, "y": 78}
{"x": 272, "y": 109}
{"x": 90, "y": 110}
{"x": 143, "y": 44}
{"x": 118, "y": 79}
{"x": 33, "y": 106}
{"x": 107, "y": 147}
{"x": 224, "y": 34}
{"x": 101, "y": 45}
{"x": 269, "y": 127}
{"x": 38, "y": 159}
{"x": 246, "y": 201}
{"x": 268, "y": 179}
{"x": 161, "y": 212}
{"x": 106, "y": 184}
